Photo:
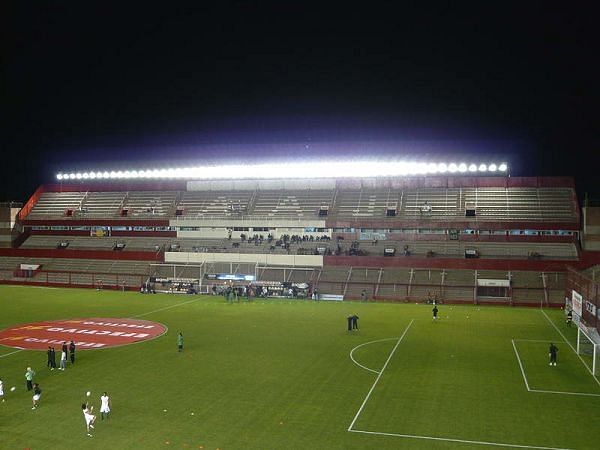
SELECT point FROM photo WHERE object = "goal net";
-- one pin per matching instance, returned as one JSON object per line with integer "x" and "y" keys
{"x": 589, "y": 349}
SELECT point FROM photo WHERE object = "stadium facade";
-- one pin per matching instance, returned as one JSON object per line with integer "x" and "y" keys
{"x": 456, "y": 238}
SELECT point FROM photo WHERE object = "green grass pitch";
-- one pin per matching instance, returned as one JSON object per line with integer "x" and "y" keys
{"x": 278, "y": 374}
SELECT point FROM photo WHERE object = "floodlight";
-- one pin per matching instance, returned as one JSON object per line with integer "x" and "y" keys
{"x": 321, "y": 169}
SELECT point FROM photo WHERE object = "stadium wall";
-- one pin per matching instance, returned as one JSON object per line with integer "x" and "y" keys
{"x": 447, "y": 263}
{"x": 254, "y": 258}
{"x": 81, "y": 254}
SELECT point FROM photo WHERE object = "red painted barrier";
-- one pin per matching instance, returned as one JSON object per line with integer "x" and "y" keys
{"x": 82, "y": 254}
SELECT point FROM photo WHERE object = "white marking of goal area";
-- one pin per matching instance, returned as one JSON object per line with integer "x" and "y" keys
{"x": 412, "y": 436}
{"x": 543, "y": 391}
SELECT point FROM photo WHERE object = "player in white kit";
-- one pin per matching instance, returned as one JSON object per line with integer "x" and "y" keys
{"x": 105, "y": 406}
{"x": 89, "y": 417}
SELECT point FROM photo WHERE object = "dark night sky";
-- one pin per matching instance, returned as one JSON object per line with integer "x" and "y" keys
{"x": 125, "y": 87}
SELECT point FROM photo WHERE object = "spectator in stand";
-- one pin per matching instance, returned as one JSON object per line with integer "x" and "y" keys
{"x": 426, "y": 208}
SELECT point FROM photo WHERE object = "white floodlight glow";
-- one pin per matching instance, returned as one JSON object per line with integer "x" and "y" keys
{"x": 293, "y": 170}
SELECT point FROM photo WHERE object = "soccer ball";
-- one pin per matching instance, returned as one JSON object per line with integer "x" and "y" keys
{"x": 88, "y": 393}
{"x": 12, "y": 389}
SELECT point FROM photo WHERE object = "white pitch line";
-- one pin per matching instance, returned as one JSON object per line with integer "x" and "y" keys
{"x": 165, "y": 308}
{"x": 565, "y": 393}
{"x": 462, "y": 441}
{"x": 521, "y": 365}
{"x": 532, "y": 340}
{"x": 379, "y": 375}
{"x": 361, "y": 345}
{"x": 11, "y": 353}
{"x": 572, "y": 348}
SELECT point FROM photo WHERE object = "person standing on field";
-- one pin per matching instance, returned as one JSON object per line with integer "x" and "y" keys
{"x": 105, "y": 406}
{"x": 180, "y": 342}
{"x": 355, "y": 322}
{"x": 49, "y": 353}
{"x": 350, "y": 319}
{"x": 52, "y": 358}
{"x": 552, "y": 351}
{"x": 72, "y": 351}
{"x": 435, "y": 311}
{"x": 63, "y": 360}
{"x": 29, "y": 374}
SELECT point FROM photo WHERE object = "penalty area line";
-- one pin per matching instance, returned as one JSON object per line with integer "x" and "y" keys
{"x": 572, "y": 348}
{"x": 379, "y": 375}
{"x": 520, "y": 365}
{"x": 462, "y": 441}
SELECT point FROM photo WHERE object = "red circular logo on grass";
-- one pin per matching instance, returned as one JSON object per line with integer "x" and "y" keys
{"x": 86, "y": 333}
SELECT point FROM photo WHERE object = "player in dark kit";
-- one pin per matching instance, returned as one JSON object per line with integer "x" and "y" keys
{"x": 434, "y": 311}
{"x": 569, "y": 318}
{"x": 355, "y": 322}
{"x": 52, "y": 358}
{"x": 49, "y": 353}
{"x": 72, "y": 351}
{"x": 552, "y": 351}
{"x": 350, "y": 320}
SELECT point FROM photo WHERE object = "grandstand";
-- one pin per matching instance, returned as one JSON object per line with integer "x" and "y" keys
{"x": 396, "y": 238}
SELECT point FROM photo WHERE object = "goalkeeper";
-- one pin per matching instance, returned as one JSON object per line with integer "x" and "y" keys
{"x": 552, "y": 351}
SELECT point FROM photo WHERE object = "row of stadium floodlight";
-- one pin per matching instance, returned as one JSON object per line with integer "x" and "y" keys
{"x": 355, "y": 169}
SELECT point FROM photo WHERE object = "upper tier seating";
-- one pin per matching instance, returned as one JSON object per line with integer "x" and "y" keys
{"x": 301, "y": 203}
{"x": 215, "y": 203}
{"x": 53, "y": 205}
{"x": 144, "y": 204}
{"x": 103, "y": 204}
{"x": 366, "y": 203}
{"x": 489, "y": 204}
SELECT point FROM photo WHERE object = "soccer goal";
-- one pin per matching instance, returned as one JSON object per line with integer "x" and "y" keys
{"x": 589, "y": 349}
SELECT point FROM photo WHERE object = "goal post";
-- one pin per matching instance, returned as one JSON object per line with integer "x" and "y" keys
{"x": 589, "y": 349}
